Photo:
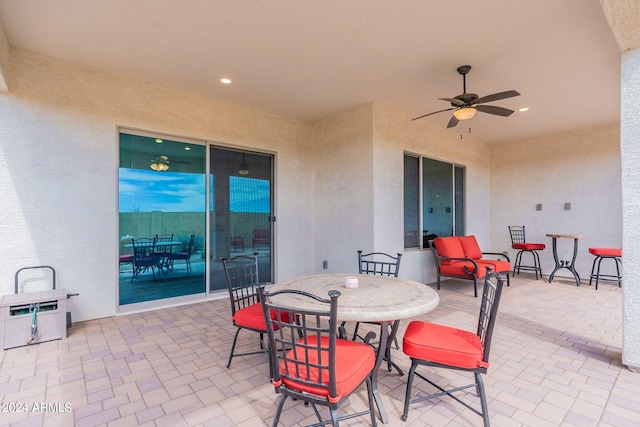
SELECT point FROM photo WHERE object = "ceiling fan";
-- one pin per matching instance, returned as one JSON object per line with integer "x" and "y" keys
{"x": 466, "y": 104}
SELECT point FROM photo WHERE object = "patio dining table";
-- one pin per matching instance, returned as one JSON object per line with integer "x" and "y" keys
{"x": 376, "y": 299}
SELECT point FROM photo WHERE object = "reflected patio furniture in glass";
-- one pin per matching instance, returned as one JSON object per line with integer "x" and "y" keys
{"x": 144, "y": 257}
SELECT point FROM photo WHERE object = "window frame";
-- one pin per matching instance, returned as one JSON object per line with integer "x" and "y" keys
{"x": 457, "y": 209}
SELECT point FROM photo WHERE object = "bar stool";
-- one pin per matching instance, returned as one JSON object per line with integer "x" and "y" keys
{"x": 606, "y": 253}
{"x": 519, "y": 243}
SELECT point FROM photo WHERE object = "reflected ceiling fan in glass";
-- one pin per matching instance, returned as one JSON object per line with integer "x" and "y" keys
{"x": 160, "y": 164}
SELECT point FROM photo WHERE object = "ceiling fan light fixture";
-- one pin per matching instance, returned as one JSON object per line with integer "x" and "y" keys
{"x": 464, "y": 113}
{"x": 160, "y": 164}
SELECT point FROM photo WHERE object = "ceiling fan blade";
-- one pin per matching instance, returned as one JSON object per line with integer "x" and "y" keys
{"x": 498, "y": 96}
{"x": 452, "y": 122}
{"x": 454, "y": 101}
{"x": 492, "y": 109}
{"x": 435, "y": 112}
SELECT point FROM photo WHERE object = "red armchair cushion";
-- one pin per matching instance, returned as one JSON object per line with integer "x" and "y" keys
{"x": 354, "y": 361}
{"x": 443, "y": 344}
{"x": 457, "y": 269}
{"x": 470, "y": 247}
{"x": 448, "y": 247}
{"x": 606, "y": 252}
{"x": 499, "y": 266}
{"x": 528, "y": 246}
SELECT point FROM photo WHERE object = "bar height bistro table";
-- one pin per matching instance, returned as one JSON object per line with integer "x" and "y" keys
{"x": 376, "y": 299}
{"x": 569, "y": 265}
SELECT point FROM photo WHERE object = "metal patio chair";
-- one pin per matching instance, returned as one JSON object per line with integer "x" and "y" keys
{"x": 445, "y": 347}
{"x": 307, "y": 360}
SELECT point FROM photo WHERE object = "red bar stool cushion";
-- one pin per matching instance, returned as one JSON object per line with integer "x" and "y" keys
{"x": 612, "y": 252}
{"x": 443, "y": 344}
{"x": 529, "y": 246}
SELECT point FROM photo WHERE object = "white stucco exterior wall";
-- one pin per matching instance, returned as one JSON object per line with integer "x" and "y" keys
{"x": 624, "y": 19}
{"x": 58, "y": 171}
{"x": 581, "y": 167}
{"x": 630, "y": 147}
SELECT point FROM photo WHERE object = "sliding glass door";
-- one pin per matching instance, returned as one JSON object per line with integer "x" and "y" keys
{"x": 240, "y": 210}
{"x": 162, "y": 212}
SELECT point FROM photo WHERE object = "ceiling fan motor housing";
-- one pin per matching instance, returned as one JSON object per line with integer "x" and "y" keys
{"x": 467, "y": 98}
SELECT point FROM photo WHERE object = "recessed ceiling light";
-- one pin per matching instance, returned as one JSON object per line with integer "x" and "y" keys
{"x": 225, "y": 80}
{"x": 523, "y": 109}
{"x": 158, "y": 140}
{"x": 187, "y": 148}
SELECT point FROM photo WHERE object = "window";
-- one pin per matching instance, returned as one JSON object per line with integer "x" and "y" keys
{"x": 433, "y": 200}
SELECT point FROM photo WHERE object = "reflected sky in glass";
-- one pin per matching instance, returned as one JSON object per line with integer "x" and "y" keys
{"x": 147, "y": 191}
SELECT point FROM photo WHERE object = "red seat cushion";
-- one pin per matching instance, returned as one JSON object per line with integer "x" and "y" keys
{"x": 528, "y": 246}
{"x": 443, "y": 344}
{"x": 252, "y": 317}
{"x": 470, "y": 247}
{"x": 606, "y": 251}
{"x": 354, "y": 361}
{"x": 457, "y": 269}
{"x": 126, "y": 258}
{"x": 499, "y": 266}
{"x": 448, "y": 247}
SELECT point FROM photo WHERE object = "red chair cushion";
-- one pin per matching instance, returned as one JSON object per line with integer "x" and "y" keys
{"x": 499, "y": 266}
{"x": 126, "y": 258}
{"x": 457, "y": 269}
{"x": 470, "y": 247}
{"x": 443, "y": 344}
{"x": 528, "y": 246}
{"x": 354, "y": 361}
{"x": 606, "y": 251}
{"x": 448, "y": 247}
{"x": 250, "y": 317}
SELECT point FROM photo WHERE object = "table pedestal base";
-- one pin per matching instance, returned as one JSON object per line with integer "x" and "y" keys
{"x": 568, "y": 265}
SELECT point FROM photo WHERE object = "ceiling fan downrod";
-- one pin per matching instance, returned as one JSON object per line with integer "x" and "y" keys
{"x": 463, "y": 70}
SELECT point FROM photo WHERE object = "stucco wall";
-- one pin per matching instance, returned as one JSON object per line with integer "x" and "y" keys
{"x": 343, "y": 191}
{"x": 580, "y": 167}
{"x": 396, "y": 134}
{"x": 58, "y": 171}
{"x": 630, "y": 142}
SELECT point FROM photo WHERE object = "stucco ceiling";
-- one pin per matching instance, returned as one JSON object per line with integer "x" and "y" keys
{"x": 308, "y": 60}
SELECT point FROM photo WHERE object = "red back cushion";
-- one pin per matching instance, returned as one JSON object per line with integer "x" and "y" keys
{"x": 448, "y": 247}
{"x": 470, "y": 247}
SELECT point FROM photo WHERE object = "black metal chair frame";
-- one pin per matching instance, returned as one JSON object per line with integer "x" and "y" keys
{"x": 144, "y": 257}
{"x": 605, "y": 277}
{"x": 294, "y": 333}
{"x": 518, "y": 236}
{"x": 241, "y": 275}
{"x": 470, "y": 273}
{"x": 163, "y": 251}
{"x": 182, "y": 256}
{"x": 381, "y": 264}
{"x": 488, "y": 312}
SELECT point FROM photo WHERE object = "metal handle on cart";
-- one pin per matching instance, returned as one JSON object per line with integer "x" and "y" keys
{"x": 38, "y": 266}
